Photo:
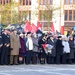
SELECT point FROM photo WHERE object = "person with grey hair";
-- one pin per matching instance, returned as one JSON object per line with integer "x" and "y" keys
{"x": 22, "y": 50}
{"x": 35, "y": 48}
{"x": 66, "y": 50}
{"x": 15, "y": 46}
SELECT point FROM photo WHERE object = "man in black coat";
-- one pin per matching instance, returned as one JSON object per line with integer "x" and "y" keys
{"x": 6, "y": 48}
{"x": 1, "y": 44}
{"x": 59, "y": 50}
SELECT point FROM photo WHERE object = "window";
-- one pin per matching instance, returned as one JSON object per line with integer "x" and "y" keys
{"x": 44, "y": 2}
{"x": 45, "y": 15}
{"x": 23, "y": 2}
{"x": 0, "y": 1}
{"x": 26, "y": 2}
{"x": 66, "y": 14}
{"x": 5, "y": 1}
{"x": 40, "y": 2}
{"x": 50, "y": 2}
{"x": 70, "y": 14}
{"x": 66, "y": 1}
{"x": 71, "y": 1}
{"x": 30, "y": 2}
{"x": 74, "y": 1}
{"x": 74, "y": 15}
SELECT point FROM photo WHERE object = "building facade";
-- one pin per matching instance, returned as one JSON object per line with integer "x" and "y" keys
{"x": 64, "y": 15}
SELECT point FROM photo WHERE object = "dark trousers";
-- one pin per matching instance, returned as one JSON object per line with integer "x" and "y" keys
{"x": 34, "y": 58}
{"x": 0, "y": 56}
{"x": 58, "y": 59}
{"x": 50, "y": 59}
{"x": 64, "y": 58}
{"x": 74, "y": 58}
{"x": 28, "y": 56}
{"x": 4, "y": 56}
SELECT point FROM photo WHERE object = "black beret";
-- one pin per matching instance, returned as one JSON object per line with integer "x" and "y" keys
{"x": 51, "y": 35}
{"x": 28, "y": 33}
{"x": 59, "y": 36}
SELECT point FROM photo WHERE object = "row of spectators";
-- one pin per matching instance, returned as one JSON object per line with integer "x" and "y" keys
{"x": 30, "y": 49}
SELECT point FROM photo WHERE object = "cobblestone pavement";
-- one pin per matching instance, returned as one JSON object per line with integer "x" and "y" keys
{"x": 38, "y": 70}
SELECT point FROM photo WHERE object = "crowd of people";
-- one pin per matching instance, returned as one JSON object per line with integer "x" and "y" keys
{"x": 28, "y": 48}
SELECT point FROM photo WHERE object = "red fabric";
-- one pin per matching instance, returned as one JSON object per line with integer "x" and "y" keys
{"x": 28, "y": 27}
{"x": 62, "y": 30}
{"x": 39, "y": 26}
{"x": 52, "y": 28}
{"x": 44, "y": 46}
{"x": 34, "y": 28}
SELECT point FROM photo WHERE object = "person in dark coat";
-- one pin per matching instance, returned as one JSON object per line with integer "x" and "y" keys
{"x": 22, "y": 50}
{"x": 51, "y": 56}
{"x": 72, "y": 48}
{"x": 6, "y": 48}
{"x": 59, "y": 50}
{"x": 1, "y": 45}
{"x": 42, "y": 54}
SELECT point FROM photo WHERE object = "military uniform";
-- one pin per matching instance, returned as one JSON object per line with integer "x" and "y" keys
{"x": 6, "y": 48}
{"x": 1, "y": 44}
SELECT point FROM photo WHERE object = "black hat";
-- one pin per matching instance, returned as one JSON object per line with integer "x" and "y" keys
{"x": 28, "y": 33}
{"x": 51, "y": 35}
{"x": 59, "y": 36}
{"x": 13, "y": 29}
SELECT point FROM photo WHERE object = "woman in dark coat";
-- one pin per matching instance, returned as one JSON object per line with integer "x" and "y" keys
{"x": 42, "y": 54}
{"x": 59, "y": 50}
{"x": 22, "y": 49}
{"x": 71, "y": 55}
{"x": 51, "y": 56}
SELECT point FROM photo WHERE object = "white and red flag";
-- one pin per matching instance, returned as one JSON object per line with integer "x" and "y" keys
{"x": 34, "y": 28}
{"x": 27, "y": 27}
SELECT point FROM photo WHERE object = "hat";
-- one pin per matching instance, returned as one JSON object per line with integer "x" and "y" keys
{"x": 70, "y": 37}
{"x": 28, "y": 33}
{"x": 59, "y": 36}
{"x": 51, "y": 35}
{"x": 5, "y": 28}
{"x": 21, "y": 34}
{"x": 13, "y": 29}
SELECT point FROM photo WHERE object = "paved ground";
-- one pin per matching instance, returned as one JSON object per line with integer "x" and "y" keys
{"x": 38, "y": 70}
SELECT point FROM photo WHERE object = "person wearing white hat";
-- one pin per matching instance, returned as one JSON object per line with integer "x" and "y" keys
{"x": 22, "y": 50}
{"x": 66, "y": 50}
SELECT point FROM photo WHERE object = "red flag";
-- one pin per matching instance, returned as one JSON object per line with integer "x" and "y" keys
{"x": 34, "y": 28}
{"x": 62, "y": 30}
{"x": 39, "y": 26}
{"x": 28, "y": 27}
{"x": 52, "y": 28}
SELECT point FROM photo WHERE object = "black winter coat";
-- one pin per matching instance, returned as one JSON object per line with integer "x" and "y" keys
{"x": 59, "y": 47}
